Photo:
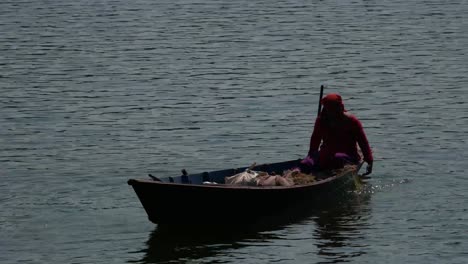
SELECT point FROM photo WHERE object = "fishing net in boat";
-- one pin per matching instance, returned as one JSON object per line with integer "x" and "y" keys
{"x": 346, "y": 169}
{"x": 299, "y": 178}
{"x": 288, "y": 178}
{"x": 260, "y": 178}
{"x": 247, "y": 178}
{"x": 274, "y": 180}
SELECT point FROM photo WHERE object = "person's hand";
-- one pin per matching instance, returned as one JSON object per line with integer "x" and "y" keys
{"x": 368, "y": 169}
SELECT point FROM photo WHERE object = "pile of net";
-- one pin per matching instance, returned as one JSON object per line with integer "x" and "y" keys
{"x": 291, "y": 177}
{"x": 260, "y": 178}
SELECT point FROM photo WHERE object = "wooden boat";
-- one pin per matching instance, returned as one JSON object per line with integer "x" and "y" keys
{"x": 186, "y": 199}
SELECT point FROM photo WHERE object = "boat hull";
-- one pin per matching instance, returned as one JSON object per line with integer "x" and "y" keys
{"x": 177, "y": 203}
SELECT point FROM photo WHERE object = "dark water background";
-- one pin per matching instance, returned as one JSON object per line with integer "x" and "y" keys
{"x": 96, "y": 92}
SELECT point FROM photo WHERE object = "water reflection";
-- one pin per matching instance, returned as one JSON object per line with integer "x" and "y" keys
{"x": 339, "y": 234}
{"x": 336, "y": 235}
{"x": 166, "y": 245}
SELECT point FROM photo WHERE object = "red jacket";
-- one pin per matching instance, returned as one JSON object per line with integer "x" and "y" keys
{"x": 343, "y": 138}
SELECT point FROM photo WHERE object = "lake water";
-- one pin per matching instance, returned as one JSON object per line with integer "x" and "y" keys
{"x": 96, "y": 92}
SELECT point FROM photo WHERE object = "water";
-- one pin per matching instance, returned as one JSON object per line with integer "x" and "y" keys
{"x": 96, "y": 92}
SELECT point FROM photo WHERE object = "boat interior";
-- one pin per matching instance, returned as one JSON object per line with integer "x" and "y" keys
{"x": 219, "y": 176}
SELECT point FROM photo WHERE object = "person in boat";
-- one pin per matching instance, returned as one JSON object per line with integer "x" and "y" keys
{"x": 335, "y": 137}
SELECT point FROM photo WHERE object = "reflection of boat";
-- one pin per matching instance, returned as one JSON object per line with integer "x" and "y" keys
{"x": 336, "y": 236}
{"x": 173, "y": 245}
{"x": 186, "y": 200}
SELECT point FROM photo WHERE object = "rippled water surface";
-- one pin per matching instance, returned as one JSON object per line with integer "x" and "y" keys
{"x": 96, "y": 92}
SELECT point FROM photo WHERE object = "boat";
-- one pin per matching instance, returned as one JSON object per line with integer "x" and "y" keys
{"x": 204, "y": 198}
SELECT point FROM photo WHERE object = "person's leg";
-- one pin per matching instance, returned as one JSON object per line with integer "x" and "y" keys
{"x": 341, "y": 159}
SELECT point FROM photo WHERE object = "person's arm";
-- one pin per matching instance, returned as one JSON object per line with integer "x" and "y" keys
{"x": 315, "y": 138}
{"x": 365, "y": 147}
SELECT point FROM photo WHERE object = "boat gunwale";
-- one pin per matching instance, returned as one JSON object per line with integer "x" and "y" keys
{"x": 227, "y": 186}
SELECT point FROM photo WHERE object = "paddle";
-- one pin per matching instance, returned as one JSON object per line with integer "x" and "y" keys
{"x": 359, "y": 178}
{"x": 320, "y": 100}
{"x": 365, "y": 175}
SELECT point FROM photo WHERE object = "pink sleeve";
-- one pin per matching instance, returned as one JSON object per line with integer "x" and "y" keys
{"x": 363, "y": 142}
